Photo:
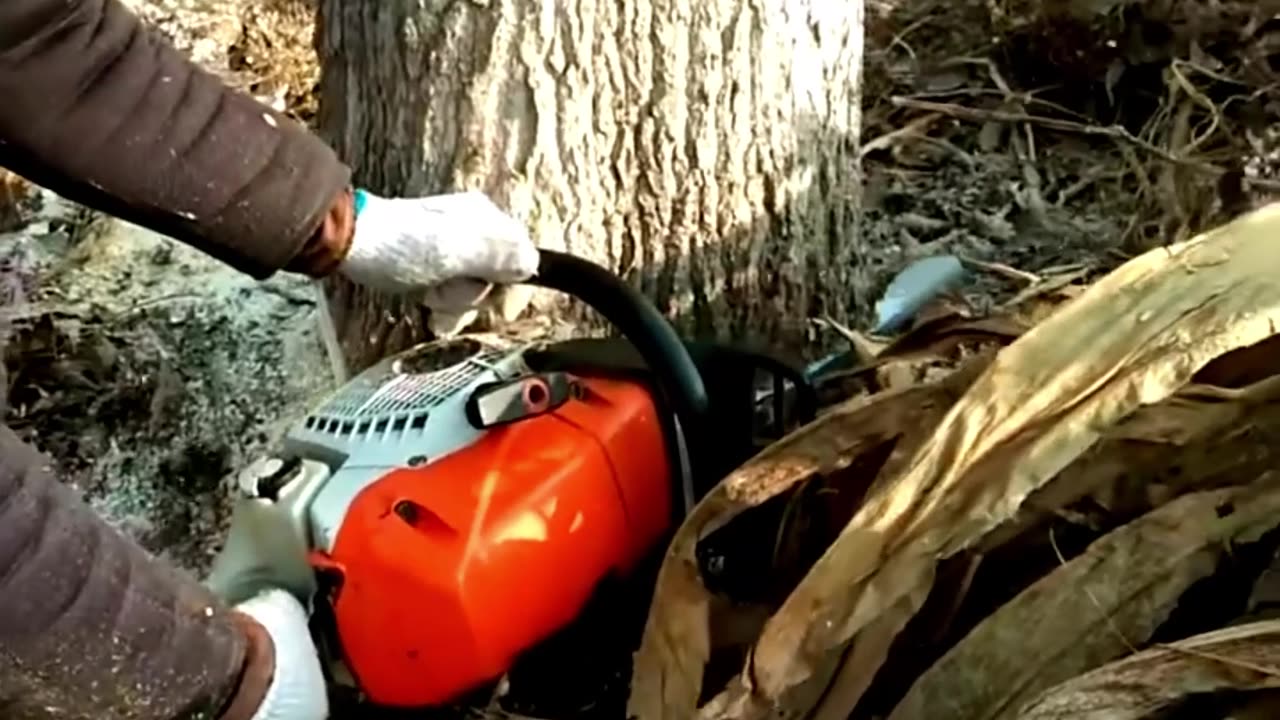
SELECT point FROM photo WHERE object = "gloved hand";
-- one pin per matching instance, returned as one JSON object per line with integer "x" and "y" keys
{"x": 447, "y": 251}
{"x": 297, "y": 690}
{"x": 262, "y": 571}
{"x": 263, "y": 550}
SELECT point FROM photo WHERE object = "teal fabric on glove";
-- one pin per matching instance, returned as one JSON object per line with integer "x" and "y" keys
{"x": 361, "y": 197}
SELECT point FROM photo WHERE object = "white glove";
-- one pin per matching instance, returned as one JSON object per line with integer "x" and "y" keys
{"x": 297, "y": 690}
{"x": 446, "y": 250}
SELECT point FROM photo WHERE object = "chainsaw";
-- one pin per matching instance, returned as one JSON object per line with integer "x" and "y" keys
{"x": 463, "y": 502}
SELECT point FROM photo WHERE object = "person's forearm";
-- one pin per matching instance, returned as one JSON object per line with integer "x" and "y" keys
{"x": 92, "y": 627}
{"x": 103, "y": 111}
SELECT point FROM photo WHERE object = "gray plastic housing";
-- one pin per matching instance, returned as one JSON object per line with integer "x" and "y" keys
{"x": 405, "y": 411}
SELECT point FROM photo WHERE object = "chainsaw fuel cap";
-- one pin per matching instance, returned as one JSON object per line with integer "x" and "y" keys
{"x": 519, "y": 398}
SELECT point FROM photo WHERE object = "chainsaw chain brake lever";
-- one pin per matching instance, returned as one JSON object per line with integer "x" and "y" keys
{"x": 676, "y": 374}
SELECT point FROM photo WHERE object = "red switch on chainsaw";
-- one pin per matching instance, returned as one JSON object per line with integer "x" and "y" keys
{"x": 524, "y": 397}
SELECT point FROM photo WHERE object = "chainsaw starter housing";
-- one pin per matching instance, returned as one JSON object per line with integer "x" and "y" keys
{"x": 466, "y": 506}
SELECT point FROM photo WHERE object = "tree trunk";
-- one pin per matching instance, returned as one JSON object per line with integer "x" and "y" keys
{"x": 707, "y": 150}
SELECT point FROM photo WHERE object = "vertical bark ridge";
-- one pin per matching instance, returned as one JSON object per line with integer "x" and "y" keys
{"x": 704, "y": 149}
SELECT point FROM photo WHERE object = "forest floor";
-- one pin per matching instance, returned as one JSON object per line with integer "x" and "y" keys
{"x": 1025, "y": 144}
{"x": 1038, "y": 136}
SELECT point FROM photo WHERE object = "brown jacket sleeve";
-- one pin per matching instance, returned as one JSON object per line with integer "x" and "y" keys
{"x": 103, "y": 111}
{"x": 92, "y": 628}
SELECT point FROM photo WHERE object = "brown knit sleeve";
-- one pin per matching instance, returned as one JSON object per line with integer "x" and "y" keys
{"x": 106, "y": 112}
{"x": 94, "y": 628}
{"x": 328, "y": 245}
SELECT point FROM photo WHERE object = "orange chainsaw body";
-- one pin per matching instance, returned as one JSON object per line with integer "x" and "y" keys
{"x": 451, "y": 569}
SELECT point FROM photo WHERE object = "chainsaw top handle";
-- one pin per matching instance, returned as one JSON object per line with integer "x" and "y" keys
{"x": 674, "y": 371}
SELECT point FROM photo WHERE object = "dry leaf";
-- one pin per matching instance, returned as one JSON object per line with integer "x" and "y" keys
{"x": 1132, "y": 339}
{"x": 1093, "y": 609}
{"x": 1245, "y": 657}
{"x": 1188, "y": 442}
{"x": 669, "y": 667}
{"x": 14, "y": 191}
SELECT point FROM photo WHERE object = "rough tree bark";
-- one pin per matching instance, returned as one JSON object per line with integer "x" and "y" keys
{"x": 704, "y": 149}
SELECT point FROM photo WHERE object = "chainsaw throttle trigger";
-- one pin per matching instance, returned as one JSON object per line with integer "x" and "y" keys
{"x": 520, "y": 398}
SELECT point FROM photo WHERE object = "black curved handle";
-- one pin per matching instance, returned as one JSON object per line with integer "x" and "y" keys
{"x": 640, "y": 322}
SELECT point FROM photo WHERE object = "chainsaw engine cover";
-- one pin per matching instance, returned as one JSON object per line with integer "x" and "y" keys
{"x": 471, "y": 508}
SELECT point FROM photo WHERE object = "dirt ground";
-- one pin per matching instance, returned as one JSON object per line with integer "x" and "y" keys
{"x": 150, "y": 372}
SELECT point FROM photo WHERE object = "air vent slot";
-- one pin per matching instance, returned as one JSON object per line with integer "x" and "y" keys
{"x": 398, "y": 398}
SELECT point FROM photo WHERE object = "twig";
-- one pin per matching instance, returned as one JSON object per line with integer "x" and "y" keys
{"x": 996, "y": 77}
{"x": 1024, "y": 97}
{"x": 941, "y": 144}
{"x": 1024, "y": 147}
{"x": 1171, "y": 181}
{"x": 901, "y": 37}
{"x": 1212, "y": 74}
{"x": 864, "y": 349}
{"x": 983, "y": 115}
{"x": 957, "y": 598}
{"x": 1062, "y": 269}
{"x": 915, "y": 128}
{"x": 1069, "y": 193}
{"x": 969, "y": 114}
{"x": 1008, "y": 271}
{"x": 1048, "y": 285}
{"x": 1145, "y": 188}
{"x": 1215, "y": 115}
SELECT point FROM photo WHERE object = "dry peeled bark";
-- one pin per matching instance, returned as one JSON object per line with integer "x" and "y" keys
{"x": 1245, "y": 657}
{"x": 668, "y": 672}
{"x": 1093, "y": 609}
{"x": 844, "y": 447}
{"x": 706, "y": 150}
{"x": 1133, "y": 339}
{"x": 1204, "y": 436}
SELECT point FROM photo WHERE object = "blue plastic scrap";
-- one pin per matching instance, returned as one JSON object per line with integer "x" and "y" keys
{"x": 913, "y": 288}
